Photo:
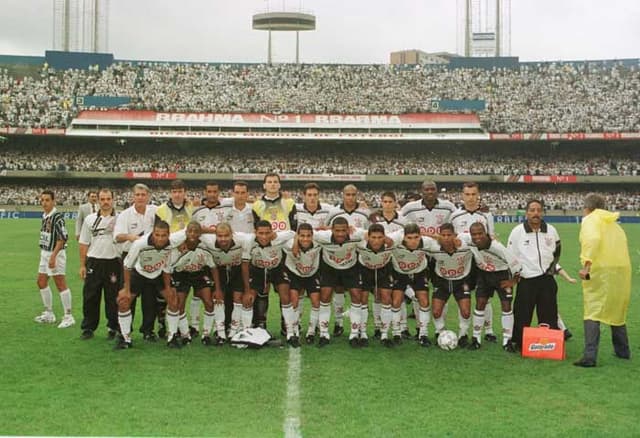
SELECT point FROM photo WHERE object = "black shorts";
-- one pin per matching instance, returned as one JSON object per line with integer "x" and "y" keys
{"x": 259, "y": 278}
{"x": 184, "y": 281}
{"x": 489, "y": 282}
{"x": 140, "y": 283}
{"x": 442, "y": 289}
{"x": 309, "y": 284}
{"x": 231, "y": 278}
{"x": 418, "y": 281}
{"x": 348, "y": 278}
{"x": 373, "y": 279}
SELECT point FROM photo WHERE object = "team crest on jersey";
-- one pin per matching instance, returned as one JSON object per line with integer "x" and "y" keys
{"x": 220, "y": 216}
{"x": 440, "y": 217}
{"x": 548, "y": 240}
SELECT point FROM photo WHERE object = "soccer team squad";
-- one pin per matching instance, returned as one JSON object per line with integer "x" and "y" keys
{"x": 231, "y": 253}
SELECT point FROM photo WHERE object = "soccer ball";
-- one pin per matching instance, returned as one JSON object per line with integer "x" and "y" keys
{"x": 447, "y": 340}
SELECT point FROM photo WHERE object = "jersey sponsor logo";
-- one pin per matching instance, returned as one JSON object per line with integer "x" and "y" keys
{"x": 409, "y": 266}
{"x": 304, "y": 269}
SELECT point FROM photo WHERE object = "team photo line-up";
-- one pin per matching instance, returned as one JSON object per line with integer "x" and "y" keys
{"x": 230, "y": 252}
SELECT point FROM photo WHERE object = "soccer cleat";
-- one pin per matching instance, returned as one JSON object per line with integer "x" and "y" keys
{"x": 193, "y": 332}
{"x": 150, "y": 337}
{"x": 122, "y": 344}
{"x": 354, "y": 342}
{"x": 294, "y": 342}
{"x": 567, "y": 334}
{"x": 162, "y": 331}
{"x": 377, "y": 333}
{"x": 207, "y": 341}
{"x": 219, "y": 341}
{"x": 86, "y": 335}
{"x": 186, "y": 340}
{"x": 585, "y": 363}
{"x": 475, "y": 345}
{"x": 463, "y": 341}
{"x": 45, "y": 317}
{"x": 490, "y": 337}
{"x": 67, "y": 321}
{"x": 174, "y": 342}
{"x": 310, "y": 339}
{"x": 111, "y": 335}
{"x": 323, "y": 342}
{"x": 338, "y": 330}
{"x": 510, "y": 347}
{"x": 397, "y": 340}
{"x": 364, "y": 342}
{"x": 406, "y": 334}
{"x": 424, "y": 341}
{"x": 387, "y": 343}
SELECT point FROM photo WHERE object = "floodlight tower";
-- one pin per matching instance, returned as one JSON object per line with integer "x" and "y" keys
{"x": 80, "y": 25}
{"x": 284, "y": 21}
{"x": 484, "y": 27}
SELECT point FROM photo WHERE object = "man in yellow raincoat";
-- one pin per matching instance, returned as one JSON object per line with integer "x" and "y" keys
{"x": 606, "y": 275}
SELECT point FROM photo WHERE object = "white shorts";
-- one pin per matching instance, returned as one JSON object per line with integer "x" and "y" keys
{"x": 61, "y": 263}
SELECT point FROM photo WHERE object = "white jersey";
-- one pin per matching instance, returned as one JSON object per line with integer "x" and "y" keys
{"x": 371, "y": 259}
{"x": 339, "y": 255}
{"x": 270, "y": 256}
{"x": 235, "y": 255}
{"x": 463, "y": 218}
{"x": 455, "y": 266}
{"x": 538, "y": 251}
{"x": 495, "y": 258}
{"x": 411, "y": 261}
{"x": 130, "y": 221}
{"x": 316, "y": 219}
{"x": 240, "y": 220}
{"x": 306, "y": 263}
{"x": 183, "y": 259}
{"x": 211, "y": 216}
{"x": 97, "y": 232}
{"x": 146, "y": 259}
{"x": 428, "y": 219}
{"x": 390, "y": 226}
{"x": 358, "y": 218}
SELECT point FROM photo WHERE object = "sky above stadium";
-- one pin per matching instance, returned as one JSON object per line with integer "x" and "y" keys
{"x": 348, "y": 31}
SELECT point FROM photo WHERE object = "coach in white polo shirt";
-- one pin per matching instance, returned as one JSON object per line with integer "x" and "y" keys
{"x": 536, "y": 245}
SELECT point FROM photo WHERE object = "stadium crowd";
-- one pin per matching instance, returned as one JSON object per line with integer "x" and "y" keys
{"x": 546, "y": 97}
{"x": 498, "y": 201}
{"x": 461, "y": 160}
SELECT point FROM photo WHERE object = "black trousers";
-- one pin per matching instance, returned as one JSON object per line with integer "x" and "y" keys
{"x": 103, "y": 275}
{"x": 619, "y": 340}
{"x": 149, "y": 290}
{"x": 539, "y": 294}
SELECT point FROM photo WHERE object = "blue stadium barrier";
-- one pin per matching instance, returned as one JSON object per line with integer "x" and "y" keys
{"x": 33, "y": 215}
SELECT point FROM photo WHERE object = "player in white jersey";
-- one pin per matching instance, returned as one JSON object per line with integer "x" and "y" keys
{"x": 392, "y": 221}
{"x": 338, "y": 269}
{"x": 357, "y": 216}
{"x": 143, "y": 267}
{"x": 411, "y": 267}
{"x": 266, "y": 266}
{"x": 302, "y": 260}
{"x": 429, "y": 212}
{"x": 191, "y": 265}
{"x": 451, "y": 264}
{"x": 230, "y": 252}
{"x": 312, "y": 211}
{"x": 240, "y": 213}
{"x": 498, "y": 270}
{"x": 471, "y": 212}
{"x": 374, "y": 257}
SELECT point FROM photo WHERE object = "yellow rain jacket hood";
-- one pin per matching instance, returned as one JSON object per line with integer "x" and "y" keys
{"x": 604, "y": 244}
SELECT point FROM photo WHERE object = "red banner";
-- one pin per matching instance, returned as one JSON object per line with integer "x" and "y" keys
{"x": 292, "y": 119}
{"x": 150, "y": 175}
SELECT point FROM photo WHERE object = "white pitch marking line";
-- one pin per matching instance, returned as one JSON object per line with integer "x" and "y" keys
{"x": 292, "y": 402}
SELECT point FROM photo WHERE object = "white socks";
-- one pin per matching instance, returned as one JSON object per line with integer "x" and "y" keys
{"x": 507, "y": 327}
{"x": 488, "y": 319}
{"x": 324, "y": 314}
{"x": 478, "y": 324}
{"x": 65, "y": 297}
{"x": 313, "y": 321}
{"x": 354, "y": 316}
{"x": 385, "y": 317}
{"x": 47, "y": 300}
{"x": 338, "y": 307}
{"x": 194, "y": 311}
{"x": 172, "y": 323}
{"x": 124, "y": 319}
{"x": 424, "y": 315}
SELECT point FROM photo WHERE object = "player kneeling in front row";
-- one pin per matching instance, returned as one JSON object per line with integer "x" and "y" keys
{"x": 451, "y": 262}
{"x": 192, "y": 266}
{"x": 374, "y": 257}
{"x": 266, "y": 266}
{"x": 302, "y": 260}
{"x": 143, "y": 267}
{"x": 498, "y": 270}
{"x": 412, "y": 270}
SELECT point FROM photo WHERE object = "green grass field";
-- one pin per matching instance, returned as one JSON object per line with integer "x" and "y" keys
{"x": 55, "y": 384}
